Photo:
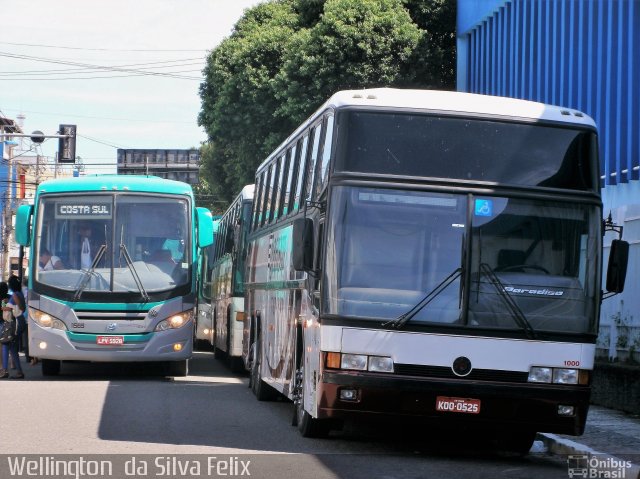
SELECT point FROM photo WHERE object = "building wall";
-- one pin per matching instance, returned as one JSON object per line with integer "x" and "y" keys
{"x": 180, "y": 165}
{"x": 583, "y": 55}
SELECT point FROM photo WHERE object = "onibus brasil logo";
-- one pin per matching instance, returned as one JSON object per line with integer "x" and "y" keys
{"x": 593, "y": 466}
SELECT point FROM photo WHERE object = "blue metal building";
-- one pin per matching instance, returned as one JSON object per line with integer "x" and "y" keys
{"x": 584, "y": 55}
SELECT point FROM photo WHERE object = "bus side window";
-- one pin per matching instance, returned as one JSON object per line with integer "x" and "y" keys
{"x": 277, "y": 188}
{"x": 265, "y": 197}
{"x": 257, "y": 202}
{"x": 311, "y": 167}
{"x": 326, "y": 155}
{"x": 285, "y": 187}
{"x": 271, "y": 193}
{"x": 301, "y": 168}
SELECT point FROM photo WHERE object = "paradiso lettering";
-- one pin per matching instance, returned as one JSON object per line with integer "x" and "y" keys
{"x": 84, "y": 210}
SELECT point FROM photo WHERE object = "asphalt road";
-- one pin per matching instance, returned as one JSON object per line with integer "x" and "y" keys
{"x": 125, "y": 411}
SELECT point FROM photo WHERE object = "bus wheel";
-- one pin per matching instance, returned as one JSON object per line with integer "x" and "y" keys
{"x": 307, "y": 425}
{"x": 217, "y": 352}
{"x": 262, "y": 390}
{"x": 178, "y": 368}
{"x": 520, "y": 442}
{"x": 50, "y": 367}
{"x": 234, "y": 362}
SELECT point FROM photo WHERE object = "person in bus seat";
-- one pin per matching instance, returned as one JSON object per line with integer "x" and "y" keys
{"x": 49, "y": 262}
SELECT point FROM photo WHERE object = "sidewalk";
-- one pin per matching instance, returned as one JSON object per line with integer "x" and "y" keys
{"x": 608, "y": 433}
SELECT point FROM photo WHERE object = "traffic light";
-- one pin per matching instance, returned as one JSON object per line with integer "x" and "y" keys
{"x": 67, "y": 145}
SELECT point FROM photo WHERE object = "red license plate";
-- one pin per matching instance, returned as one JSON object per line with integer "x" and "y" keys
{"x": 463, "y": 405}
{"x": 109, "y": 340}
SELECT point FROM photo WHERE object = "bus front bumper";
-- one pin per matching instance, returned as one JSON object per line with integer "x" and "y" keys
{"x": 522, "y": 406}
{"x": 170, "y": 345}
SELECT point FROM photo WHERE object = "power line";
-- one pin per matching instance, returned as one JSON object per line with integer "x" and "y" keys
{"x": 66, "y": 71}
{"x": 98, "y": 67}
{"x": 97, "y": 117}
{"x": 99, "y": 141}
{"x": 102, "y": 49}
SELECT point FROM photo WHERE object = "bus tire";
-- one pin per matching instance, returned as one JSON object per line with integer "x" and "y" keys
{"x": 519, "y": 442}
{"x": 234, "y": 362}
{"x": 217, "y": 352}
{"x": 50, "y": 367}
{"x": 310, "y": 426}
{"x": 261, "y": 390}
{"x": 178, "y": 368}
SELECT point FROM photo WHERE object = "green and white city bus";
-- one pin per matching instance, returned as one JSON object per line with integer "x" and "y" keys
{"x": 227, "y": 279}
{"x": 112, "y": 272}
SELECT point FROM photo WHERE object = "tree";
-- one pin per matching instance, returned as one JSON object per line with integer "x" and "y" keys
{"x": 238, "y": 98}
{"x": 285, "y": 57}
{"x": 433, "y": 63}
{"x": 356, "y": 44}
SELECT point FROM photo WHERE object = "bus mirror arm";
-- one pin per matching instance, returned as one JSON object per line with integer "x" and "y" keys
{"x": 609, "y": 225}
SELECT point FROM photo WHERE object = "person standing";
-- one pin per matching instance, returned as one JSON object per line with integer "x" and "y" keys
{"x": 86, "y": 255}
{"x": 25, "y": 334}
{"x": 11, "y": 348}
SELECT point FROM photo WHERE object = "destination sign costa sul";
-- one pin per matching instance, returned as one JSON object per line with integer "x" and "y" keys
{"x": 83, "y": 210}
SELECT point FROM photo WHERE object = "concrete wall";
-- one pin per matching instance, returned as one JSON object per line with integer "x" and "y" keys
{"x": 617, "y": 386}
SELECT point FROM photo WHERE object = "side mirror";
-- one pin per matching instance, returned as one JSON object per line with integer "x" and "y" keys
{"x": 23, "y": 224}
{"x": 303, "y": 244}
{"x": 617, "y": 269}
{"x": 205, "y": 227}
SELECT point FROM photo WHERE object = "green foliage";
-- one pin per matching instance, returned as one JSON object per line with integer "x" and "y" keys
{"x": 285, "y": 57}
{"x": 356, "y": 44}
{"x": 433, "y": 64}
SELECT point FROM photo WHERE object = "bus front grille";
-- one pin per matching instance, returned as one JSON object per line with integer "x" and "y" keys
{"x": 474, "y": 375}
{"x": 110, "y": 315}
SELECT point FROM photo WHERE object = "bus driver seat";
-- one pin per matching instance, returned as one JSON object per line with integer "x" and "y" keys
{"x": 509, "y": 259}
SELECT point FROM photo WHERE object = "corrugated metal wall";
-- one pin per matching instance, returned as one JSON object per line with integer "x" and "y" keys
{"x": 582, "y": 54}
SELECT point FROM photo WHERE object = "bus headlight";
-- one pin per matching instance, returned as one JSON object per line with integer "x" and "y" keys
{"x": 46, "y": 320}
{"x": 174, "y": 322}
{"x": 565, "y": 376}
{"x": 354, "y": 361}
{"x": 380, "y": 364}
{"x": 540, "y": 375}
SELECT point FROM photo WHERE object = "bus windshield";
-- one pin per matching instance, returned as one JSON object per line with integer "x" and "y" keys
{"x": 509, "y": 153}
{"x": 125, "y": 244}
{"x": 388, "y": 249}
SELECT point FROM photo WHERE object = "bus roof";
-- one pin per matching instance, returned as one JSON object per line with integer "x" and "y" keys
{"x": 451, "y": 102}
{"x": 458, "y": 102}
{"x": 143, "y": 184}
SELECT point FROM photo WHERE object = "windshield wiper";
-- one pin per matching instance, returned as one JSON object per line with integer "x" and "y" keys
{"x": 89, "y": 272}
{"x": 134, "y": 273}
{"x": 403, "y": 319}
{"x": 516, "y": 313}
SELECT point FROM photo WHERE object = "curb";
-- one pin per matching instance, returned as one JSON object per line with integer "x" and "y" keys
{"x": 565, "y": 447}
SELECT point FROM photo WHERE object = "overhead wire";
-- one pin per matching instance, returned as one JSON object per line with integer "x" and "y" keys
{"x": 135, "y": 72}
